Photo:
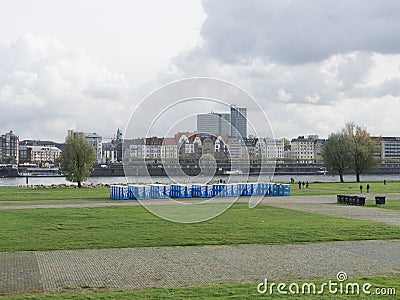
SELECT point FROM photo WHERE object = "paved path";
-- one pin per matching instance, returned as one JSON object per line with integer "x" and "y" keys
{"x": 132, "y": 268}
{"x": 327, "y": 205}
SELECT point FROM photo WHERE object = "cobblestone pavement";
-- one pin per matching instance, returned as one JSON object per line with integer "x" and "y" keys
{"x": 132, "y": 268}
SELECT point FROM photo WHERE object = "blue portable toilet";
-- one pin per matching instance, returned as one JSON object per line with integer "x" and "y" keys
{"x": 286, "y": 190}
{"x": 122, "y": 192}
{"x": 179, "y": 191}
{"x": 235, "y": 190}
{"x": 219, "y": 190}
{"x": 209, "y": 191}
{"x": 167, "y": 192}
{"x": 188, "y": 191}
{"x": 132, "y": 190}
{"x": 280, "y": 190}
{"x": 196, "y": 190}
{"x": 231, "y": 190}
{"x": 242, "y": 189}
{"x": 143, "y": 192}
{"x": 254, "y": 189}
{"x": 249, "y": 189}
{"x": 112, "y": 187}
{"x": 270, "y": 187}
{"x": 275, "y": 190}
{"x": 157, "y": 191}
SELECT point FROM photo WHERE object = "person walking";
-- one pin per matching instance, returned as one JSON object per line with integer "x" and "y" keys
{"x": 361, "y": 187}
{"x": 368, "y": 187}
{"x": 307, "y": 184}
{"x": 299, "y": 185}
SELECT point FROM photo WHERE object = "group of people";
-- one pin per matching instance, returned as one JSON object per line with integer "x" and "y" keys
{"x": 368, "y": 188}
{"x": 301, "y": 184}
{"x": 307, "y": 184}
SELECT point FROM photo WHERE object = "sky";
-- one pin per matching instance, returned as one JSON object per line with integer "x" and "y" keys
{"x": 311, "y": 65}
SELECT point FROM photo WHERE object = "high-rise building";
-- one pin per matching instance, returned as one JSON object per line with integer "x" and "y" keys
{"x": 238, "y": 121}
{"x": 214, "y": 123}
{"x": 9, "y": 148}
{"x": 232, "y": 124}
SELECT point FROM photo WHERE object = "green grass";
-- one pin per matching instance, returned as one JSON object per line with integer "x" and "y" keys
{"x": 389, "y": 204}
{"x": 11, "y": 193}
{"x": 333, "y": 188}
{"x": 225, "y": 291}
{"x": 17, "y": 193}
{"x": 111, "y": 227}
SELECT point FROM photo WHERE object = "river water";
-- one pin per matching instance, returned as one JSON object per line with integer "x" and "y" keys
{"x": 162, "y": 179}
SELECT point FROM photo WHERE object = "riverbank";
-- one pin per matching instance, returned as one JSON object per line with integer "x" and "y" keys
{"x": 21, "y": 181}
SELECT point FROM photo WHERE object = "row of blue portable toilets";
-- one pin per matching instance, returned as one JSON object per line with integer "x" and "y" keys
{"x": 159, "y": 191}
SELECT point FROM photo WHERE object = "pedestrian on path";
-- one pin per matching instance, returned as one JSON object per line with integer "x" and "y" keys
{"x": 299, "y": 185}
{"x": 368, "y": 187}
{"x": 361, "y": 187}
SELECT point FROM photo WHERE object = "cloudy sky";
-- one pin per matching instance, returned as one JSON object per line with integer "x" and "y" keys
{"x": 86, "y": 65}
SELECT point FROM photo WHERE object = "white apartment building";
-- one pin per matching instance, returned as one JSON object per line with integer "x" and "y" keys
{"x": 237, "y": 149}
{"x": 151, "y": 148}
{"x": 269, "y": 148}
{"x": 42, "y": 154}
{"x": 303, "y": 148}
{"x": 308, "y": 149}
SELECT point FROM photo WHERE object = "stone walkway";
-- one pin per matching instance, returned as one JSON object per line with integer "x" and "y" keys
{"x": 132, "y": 268}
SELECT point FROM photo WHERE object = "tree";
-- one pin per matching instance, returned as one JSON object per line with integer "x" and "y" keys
{"x": 336, "y": 153}
{"x": 77, "y": 159}
{"x": 362, "y": 149}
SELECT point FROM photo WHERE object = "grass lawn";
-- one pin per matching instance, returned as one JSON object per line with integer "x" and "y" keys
{"x": 12, "y": 193}
{"x": 333, "y": 188}
{"x": 234, "y": 291}
{"x": 390, "y": 204}
{"x": 110, "y": 227}
{"x": 51, "y": 193}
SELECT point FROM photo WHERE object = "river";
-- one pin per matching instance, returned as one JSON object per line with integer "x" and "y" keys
{"x": 234, "y": 178}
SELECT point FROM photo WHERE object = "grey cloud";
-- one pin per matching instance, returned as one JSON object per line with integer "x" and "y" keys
{"x": 301, "y": 31}
{"x": 111, "y": 90}
{"x": 390, "y": 87}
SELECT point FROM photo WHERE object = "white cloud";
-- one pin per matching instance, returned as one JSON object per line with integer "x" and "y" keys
{"x": 47, "y": 88}
{"x": 312, "y": 65}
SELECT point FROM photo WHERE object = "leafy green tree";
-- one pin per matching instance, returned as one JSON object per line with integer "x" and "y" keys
{"x": 77, "y": 159}
{"x": 362, "y": 149}
{"x": 336, "y": 153}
